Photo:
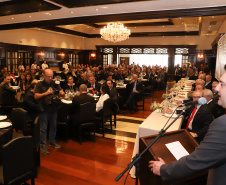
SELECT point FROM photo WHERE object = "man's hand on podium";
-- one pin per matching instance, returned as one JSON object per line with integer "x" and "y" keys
{"x": 156, "y": 165}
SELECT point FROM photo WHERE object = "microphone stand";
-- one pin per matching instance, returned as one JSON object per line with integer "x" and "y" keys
{"x": 135, "y": 160}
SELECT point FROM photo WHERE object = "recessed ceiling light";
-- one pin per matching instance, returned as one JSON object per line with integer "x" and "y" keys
{"x": 104, "y": 7}
{"x": 12, "y": 18}
{"x": 97, "y": 9}
{"x": 29, "y": 16}
{"x": 135, "y": 27}
{"x": 163, "y": 36}
{"x": 212, "y": 17}
{"x": 163, "y": 26}
{"x": 50, "y": 14}
{"x": 72, "y": 12}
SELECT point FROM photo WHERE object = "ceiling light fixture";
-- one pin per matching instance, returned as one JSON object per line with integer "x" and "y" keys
{"x": 115, "y": 32}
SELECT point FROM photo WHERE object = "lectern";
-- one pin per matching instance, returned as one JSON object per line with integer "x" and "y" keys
{"x": 159, "y": 149}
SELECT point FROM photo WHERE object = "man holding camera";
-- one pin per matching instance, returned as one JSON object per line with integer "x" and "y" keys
{"x": 46, "y": 93}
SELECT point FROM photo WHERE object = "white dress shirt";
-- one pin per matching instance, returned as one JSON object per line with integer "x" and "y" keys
{"x": 100, "y": 103}
{"x": 34, "y": 66}
{"x": 44, "y": 66}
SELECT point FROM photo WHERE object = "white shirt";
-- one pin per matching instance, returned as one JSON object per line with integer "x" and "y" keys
{"x": 65, "y": 66}
{"x": 190, "y": 124}
{"x": 44, "y": 66}
{"x": 100, "y": 102}
{"x": 34, "y": 66}
{"x": 20, "y": 67}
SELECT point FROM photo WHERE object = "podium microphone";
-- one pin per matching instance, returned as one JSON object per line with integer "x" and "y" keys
{"x": 200, "y": 101}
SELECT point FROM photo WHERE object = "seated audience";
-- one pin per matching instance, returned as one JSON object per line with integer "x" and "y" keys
{"x": 197, "y": 118}
{"x": 104, "y": 90}
{"x": 30, "y": 104}
{"x": 70, "y": 84}
{"x": 208, "y": 84}
{"x": 82, "y": 80}
{"x": 93, "y": 86}
{"x": 113, "y": 91}
{"x": 135, "y": 89}
{"x": 7, "y": 93}
{"x": 83, "y": 97}
{"x": 216, "y": 109}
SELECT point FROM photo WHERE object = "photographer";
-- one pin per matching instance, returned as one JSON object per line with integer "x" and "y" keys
{"x": 45, "y": 93}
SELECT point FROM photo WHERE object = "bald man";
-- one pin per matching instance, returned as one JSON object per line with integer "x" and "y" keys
{"x": 45, "y": 91}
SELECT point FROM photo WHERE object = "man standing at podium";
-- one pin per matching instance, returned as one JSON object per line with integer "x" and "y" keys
{"x": 209, "y": 155}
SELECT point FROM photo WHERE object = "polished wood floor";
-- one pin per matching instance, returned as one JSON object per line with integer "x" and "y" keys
{"x": 91, "y": 163}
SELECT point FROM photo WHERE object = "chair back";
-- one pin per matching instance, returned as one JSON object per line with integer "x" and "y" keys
{"x": 87, "y": 112}
{"x": 63, "y": 112}
{"x": 18, "y": 160}
{"x": 19, "y": 119}
{"x": 109, "y": 108}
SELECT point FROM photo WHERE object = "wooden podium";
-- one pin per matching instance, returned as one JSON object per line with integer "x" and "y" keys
{"x": 159, "y": 149}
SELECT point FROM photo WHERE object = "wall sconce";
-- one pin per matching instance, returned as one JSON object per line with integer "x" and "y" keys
{"x": 200, "y": 55}
{"x": 41, "y": 53}
{"x": 93, "y": 54}
{"x": 61, "y": 54}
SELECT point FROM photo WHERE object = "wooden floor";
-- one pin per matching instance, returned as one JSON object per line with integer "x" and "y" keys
{"x": 91, "y": 163}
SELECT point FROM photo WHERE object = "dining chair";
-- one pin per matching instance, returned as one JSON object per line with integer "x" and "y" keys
{"x": 17, "y": 162}
{"x": 109, "y": 110}
{"x": 85, "y": 119}
{"x": 19, "y": 120}
{"x": 63, "y": 118}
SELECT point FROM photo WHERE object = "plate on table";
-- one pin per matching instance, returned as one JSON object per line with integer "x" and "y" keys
{"x": 3, "y": 117}
{"x": 15, "y": 87}
{"x": 169, "y": 115}
{"x": 5, "y": 124}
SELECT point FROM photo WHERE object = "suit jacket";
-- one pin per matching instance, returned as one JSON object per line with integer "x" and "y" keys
{"x": 114, "y": 94}
{"x": 83, "y": 98}
{"x": 7, "y": 94}
{"x": 209, "y": 86}
{"x": 31, "y": 105}
{"x": 216, "y": 109}
{"x": 210, "y": 154}
{"x": 201, "y": 121}
{"x": 97, "y": 86}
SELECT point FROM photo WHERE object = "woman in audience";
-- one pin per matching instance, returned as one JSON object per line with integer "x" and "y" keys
{"x": 28, "y": 80}
{"x": 184, "y": 71}
{"x": 21, "y": 83}
{"x": 104, "y": 90}
{"x": 70, "y": 83}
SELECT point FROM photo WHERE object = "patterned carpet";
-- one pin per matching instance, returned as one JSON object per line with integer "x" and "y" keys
{"x": 126, "y": 129}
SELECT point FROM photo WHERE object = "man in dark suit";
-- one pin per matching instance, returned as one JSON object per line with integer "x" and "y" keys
{"x": 93, "y": 86}
{"x": 82, "y": 80}
{"x": 83, "y": 97}
{"x": 135, "y": 89}
{"x": 197, "y": 118}
{"x": 208, "y": 84}
{"x": 209, "y": 155}
{"x": 216, "y": 109}
{"x": 113, "y": 91}
{"x": 30, "y": 103}
{"x": 7, "y": 93}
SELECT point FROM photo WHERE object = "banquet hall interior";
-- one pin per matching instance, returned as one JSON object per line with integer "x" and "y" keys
{"x": 163, "y": 34}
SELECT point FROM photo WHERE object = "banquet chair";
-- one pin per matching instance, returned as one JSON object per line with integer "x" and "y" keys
{"x": 36, "y": 143}
{"x": 109, "y": 110}
{"x": 140, "y": 99}
{"x": 19, "y": 120}
{"x": 85, "y": 118}
{"x": 63, "y": 118}
{"x": 17, "y": 162}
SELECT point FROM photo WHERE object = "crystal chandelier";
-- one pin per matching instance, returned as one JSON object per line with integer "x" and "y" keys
{"x": 115, "y": 32}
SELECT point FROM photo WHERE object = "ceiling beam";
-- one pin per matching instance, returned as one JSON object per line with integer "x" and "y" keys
{"x": 121, "y": 17}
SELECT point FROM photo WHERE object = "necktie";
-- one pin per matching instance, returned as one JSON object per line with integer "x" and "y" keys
{"x": 192, "y": 115}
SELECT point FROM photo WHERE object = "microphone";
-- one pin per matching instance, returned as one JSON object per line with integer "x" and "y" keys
{"x": 200, "y": 101}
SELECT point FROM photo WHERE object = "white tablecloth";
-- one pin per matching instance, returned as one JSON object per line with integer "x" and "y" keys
{"x": 151, "y": 126}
